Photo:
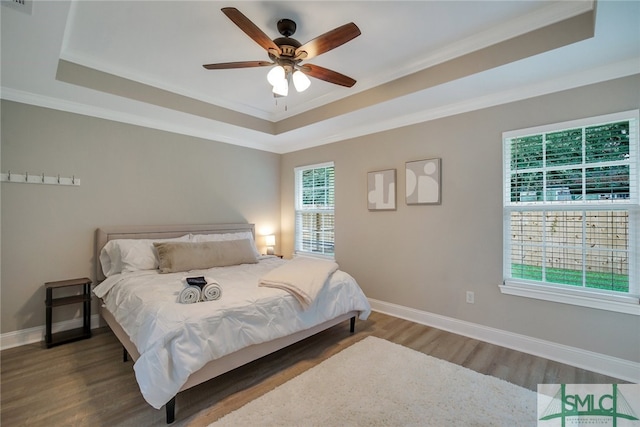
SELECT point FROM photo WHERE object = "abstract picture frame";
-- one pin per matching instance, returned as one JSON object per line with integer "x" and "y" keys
{"x": 423, "y": 182}
{"x": 381, "y": 190}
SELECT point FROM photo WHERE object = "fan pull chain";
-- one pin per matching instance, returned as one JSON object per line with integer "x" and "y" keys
{"x": 285, "y": 103}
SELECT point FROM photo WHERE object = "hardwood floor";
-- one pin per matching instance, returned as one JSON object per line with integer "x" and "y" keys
{"x": 86, "y": 383}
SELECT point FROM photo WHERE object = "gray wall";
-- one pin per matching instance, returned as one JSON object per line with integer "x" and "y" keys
{"x": 129, "y": 175}
{"x": 424, "y": 257}
{"x": 427, "y": 257}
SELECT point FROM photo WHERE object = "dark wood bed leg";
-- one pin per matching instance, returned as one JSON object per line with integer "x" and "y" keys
{"x": 171, "y": 410}
{"x": 125, "y": 355}
{"x": 352, "y": 324}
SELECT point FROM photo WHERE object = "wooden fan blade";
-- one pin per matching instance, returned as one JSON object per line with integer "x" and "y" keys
{"x": 328, "y": 41}
{"x": 242, "y": 64}
{"x": 250, "y": 29}
{"x": 327, "y": 75}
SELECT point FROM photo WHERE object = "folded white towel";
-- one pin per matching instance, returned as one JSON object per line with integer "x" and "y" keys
{"x": 190, "y": 295}
{"x": 211, "y": 291}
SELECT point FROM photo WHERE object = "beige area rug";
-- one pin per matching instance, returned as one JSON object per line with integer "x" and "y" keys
{"x": 378, "y": 383}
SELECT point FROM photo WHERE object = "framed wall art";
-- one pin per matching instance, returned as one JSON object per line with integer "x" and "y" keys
{"x": 423, "y": 182}
{"x": 381, "y": 190}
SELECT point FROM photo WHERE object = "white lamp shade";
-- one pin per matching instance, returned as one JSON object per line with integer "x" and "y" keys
{"x": 282, "y": 88}
{"x": 276, "y": 76}
{"x": 270, "y": 240}
{"x": 301, "y": 81}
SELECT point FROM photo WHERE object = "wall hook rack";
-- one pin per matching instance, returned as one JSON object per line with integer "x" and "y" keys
{"x": 27, "y": 178}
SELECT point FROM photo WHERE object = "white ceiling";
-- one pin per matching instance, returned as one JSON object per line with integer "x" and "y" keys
{"x": 163, "y": 44}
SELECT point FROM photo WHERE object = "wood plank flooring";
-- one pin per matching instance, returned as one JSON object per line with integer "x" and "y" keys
{"x": 86, "y": 383}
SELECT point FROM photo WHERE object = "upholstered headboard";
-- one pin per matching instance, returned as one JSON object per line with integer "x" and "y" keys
{"x": 103, "y": 235}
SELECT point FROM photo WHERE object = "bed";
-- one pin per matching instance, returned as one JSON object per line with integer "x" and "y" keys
{"x": 176, "y": 346}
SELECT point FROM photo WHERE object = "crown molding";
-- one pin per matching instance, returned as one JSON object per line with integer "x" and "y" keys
{"x": 597, "y": 75}
{"x": 103, "y": 67}
{"x": 540, "y": 18}
{"x": 610, "y": 72}
{"x": 39, "y": 100}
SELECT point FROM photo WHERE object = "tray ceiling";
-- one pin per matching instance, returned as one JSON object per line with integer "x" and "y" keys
{"x": 141, "y": 62}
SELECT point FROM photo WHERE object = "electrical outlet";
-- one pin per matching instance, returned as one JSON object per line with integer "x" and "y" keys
{"x": 470, "y": 297}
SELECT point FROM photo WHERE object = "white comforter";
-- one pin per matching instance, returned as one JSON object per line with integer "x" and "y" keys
{"x": 174, "y": 340}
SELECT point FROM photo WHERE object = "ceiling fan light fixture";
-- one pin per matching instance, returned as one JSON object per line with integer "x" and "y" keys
{"x": 286, "y": 53}
{"x": 281, "y": 88}
{"x": 276, "y": 76}
{"x": 301, "y": 81}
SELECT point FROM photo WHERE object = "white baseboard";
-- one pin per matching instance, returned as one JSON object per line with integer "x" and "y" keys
{"x": 596, "y": 362}
{"x": 607, "y": 365}
{"x": 34, "y": 335}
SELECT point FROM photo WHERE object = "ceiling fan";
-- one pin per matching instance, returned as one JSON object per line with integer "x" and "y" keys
{"x": 288, "y": 53}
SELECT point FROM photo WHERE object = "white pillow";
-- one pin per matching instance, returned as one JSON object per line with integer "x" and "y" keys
{"x": 220, "y": 237}
{"x": 110, "y": 258}
{"x": 128, "y": 255}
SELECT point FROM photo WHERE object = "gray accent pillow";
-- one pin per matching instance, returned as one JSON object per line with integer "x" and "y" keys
{"x": 179, "y": 256}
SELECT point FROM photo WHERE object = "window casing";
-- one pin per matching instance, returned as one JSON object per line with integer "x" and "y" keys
{"x": 571, "y": 205}
{"x": 315, "y": 201}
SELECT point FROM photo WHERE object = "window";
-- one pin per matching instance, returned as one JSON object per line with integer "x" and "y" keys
{"x": 571, "y": 213}
{"x": 315, "y": 199}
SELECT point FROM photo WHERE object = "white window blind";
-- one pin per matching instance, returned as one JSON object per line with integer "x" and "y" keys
{"x": 571, "y": 208}
{"x": 315, "y": 200}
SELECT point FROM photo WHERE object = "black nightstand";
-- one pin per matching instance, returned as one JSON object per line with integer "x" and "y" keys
{"x": 84, "y": 298}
